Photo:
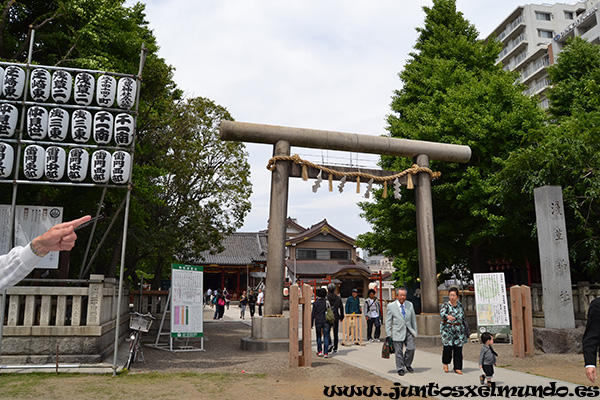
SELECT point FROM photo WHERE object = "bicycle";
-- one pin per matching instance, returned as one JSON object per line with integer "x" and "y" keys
{"x": 137, "y": 323}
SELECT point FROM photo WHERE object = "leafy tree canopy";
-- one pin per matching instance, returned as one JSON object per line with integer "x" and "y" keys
{"x": 454, "y": 92}
{"x": 575, "y": 79}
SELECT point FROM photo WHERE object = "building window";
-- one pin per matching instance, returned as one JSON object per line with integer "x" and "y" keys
{"x": 320, "y": 254}
{"x": 545, "y": 34}
{"x": 569, "y": 15}
{"x": 542, "y": 16}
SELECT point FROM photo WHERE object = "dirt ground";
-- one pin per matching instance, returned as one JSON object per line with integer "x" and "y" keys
{"x": 224, "y": 371}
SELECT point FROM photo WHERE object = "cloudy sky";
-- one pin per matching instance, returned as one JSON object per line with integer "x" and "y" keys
{"x": 320, "y": 64}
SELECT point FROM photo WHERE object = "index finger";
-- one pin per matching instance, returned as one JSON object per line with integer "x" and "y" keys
{"x": 76, "y": 222}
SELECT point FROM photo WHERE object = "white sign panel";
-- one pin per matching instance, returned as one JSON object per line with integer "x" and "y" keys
{"x": 492, "y": 306}
{"x": 187, "y": 300}
{"x": 31, "y": 221}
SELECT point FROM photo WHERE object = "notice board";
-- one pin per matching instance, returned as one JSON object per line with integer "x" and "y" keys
{"x": 492, "y": 306}
{"x": 30, "y": 222}
{"x": 187, "y": 300}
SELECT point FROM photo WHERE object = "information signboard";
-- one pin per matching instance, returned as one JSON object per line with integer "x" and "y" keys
{"x": 30, "y": 222}
{"x": 187, "y": 301}
{"x": 492, "y": 306}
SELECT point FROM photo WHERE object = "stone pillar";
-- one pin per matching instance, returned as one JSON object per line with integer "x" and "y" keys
{"x": 94, "y": 309}
{"x": 554, "y": 258}
{"x": 425, "y": 238}
{"x": 277, "y": 220}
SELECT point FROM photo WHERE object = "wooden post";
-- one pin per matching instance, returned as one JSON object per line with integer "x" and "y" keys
{"x": 352, "y": 329}
{"x": 516, "y": 301}
{"x": 300, "y": 301}
{"x": 306, "y": 338}
{"x": 294, "y": 305}
{"x": 527, "y": 321}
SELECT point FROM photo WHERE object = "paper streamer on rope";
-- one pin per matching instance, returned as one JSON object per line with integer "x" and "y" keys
{"x": 397, "y": 194}
{"x": 369, "y": 187}
{"x": 342, "y": 183}
{"x": 317, "y": 184}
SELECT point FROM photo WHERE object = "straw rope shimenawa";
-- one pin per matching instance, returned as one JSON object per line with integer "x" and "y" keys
{"x": 415, "y": 169}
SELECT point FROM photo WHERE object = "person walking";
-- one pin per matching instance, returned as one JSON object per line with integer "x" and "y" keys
{"x": 221, "y": 305}
{"x": 487, "y": 358}
{"x": 591, "y": 340}
{"x": 243, "y": 304}
{"x": 335, "y": 301}
{"x": 260, "y": 300}
{"x": 401, "y": 326}
{"x": 227, "y": 298}
{"x": 209, "y": 293}
{"x": 215, "y": 301}
{"x": 353, "y": 308}
{"x": 252, "y": 303}
{"x": 453, "y": 331}
{"x": 373, "y": 316}
{"x": 318, "y": 320}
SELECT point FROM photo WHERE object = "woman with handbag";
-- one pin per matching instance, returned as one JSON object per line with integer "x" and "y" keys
{"x": 453, "y": 331}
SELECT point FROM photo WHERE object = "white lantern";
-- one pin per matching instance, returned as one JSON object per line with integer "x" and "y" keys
{"x": 62, "y": 83}
{"x": 126, "y": 91}
{"x": 124, "y": 129}
{"x": 83, "y": 92}
{"x": 1, "y": 77}
{"x": 77, "y": 164}
{"x": 8, "y": 119}
{"x": 37, "y": 122}
{"x": 101, "y": 164}
{"x": 33, "y": 161}
{"x": 13, "y": 82}
{"x": 121, "y": 167}
{"x": 39, "y": 84}
{"x": 103, "y": 127}
{"x": 81, "y": 126}
{"x": 7, "y": 157}
{"x": 55, "y": 163}
{"x": 107, "y": 88}
{"x": 58, "y": 124}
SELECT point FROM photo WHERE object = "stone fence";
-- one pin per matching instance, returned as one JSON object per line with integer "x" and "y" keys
{"x": 583, "y": 294}
{"x": 77, "y": 323}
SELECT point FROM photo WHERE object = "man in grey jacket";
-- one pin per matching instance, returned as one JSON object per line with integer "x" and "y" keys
{"x": 401, "y": 326}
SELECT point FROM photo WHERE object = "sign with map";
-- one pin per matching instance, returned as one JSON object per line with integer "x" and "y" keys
{"x": 187, "y": 301}
{"x": 491, "y": 303}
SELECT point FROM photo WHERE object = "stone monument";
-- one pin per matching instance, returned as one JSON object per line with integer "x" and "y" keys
{"x": 554, "y": 258}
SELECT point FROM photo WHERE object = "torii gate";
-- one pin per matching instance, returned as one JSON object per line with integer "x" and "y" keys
{"x": 282, "y": 138}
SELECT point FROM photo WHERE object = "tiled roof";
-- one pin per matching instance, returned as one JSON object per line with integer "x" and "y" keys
{"x": 326, "y": 267}
{"x": 321, "y": 227}
{"x": 240, "y": 249}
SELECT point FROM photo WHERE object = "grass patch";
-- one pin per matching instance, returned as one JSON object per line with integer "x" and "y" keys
{"x": 105, "y": 386}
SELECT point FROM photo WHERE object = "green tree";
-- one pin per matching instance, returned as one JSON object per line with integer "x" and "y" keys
{"x": 453, "y": 92}
{"x": 200, "y": 192}
{"x": 564, "y": 153}
{"x": 575, "y": 79}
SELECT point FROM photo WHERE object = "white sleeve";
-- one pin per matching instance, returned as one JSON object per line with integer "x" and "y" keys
{"x": 16, "y": 265}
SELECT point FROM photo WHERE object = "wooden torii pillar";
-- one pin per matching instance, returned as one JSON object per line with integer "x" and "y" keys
{"x": 282, "y": 138}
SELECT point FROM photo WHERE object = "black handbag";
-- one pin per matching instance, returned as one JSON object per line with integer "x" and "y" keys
{"x": 387, "y": 348}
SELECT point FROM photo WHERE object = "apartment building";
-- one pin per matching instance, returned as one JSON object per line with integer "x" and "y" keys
{"x": 533, "y": 35}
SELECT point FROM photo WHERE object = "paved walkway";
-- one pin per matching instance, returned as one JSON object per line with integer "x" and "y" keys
{"x": 428, "y": 369}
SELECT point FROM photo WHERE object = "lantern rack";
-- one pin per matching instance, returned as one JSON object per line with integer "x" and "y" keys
{"x": 24, "y": 103}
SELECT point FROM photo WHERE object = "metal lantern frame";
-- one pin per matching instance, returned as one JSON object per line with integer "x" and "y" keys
{"x": 24, "y": 104}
